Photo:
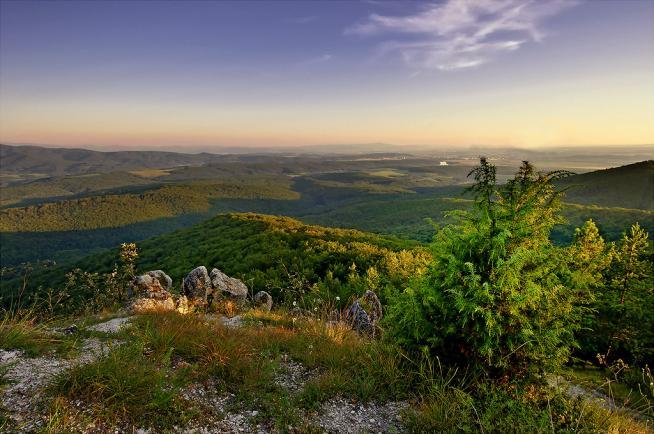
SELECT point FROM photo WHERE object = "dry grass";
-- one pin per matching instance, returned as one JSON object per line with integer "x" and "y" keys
{"x": 23, "y": 332}
{"x": 166, "y": 351}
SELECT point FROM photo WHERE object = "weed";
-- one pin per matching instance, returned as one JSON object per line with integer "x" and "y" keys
{"x": 126, "y": 385}
{"x": 21, "y": 331}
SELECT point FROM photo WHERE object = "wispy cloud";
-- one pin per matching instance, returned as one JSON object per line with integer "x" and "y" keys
{"x": 459, "y": 34}
{"x": 326, "y": 57}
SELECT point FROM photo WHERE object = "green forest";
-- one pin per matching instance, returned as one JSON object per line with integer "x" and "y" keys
{"x": 119, "y": 210}
{"x": 404, "y": 197}
{"x": 480, "y": 284}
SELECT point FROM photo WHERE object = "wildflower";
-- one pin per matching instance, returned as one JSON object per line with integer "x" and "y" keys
{"x": 338, "y": 298}
{"x": 295, "y": 303}
{"x": 316, "y": 309}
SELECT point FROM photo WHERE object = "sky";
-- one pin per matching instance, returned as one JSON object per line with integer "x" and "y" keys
{"x": 197, "y": 75}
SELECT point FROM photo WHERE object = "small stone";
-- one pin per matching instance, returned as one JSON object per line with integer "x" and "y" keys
{"x": 263, "y": 301}
{"x": 70, "y": 330}
{"x": 365, "y": 313}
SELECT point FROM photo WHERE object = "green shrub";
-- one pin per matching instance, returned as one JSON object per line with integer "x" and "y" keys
{"x": 497, "y": 293}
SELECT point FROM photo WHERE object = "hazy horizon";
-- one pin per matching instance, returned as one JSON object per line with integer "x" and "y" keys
{"x": 349, "y": 147}
{"x": 451, "y": 74}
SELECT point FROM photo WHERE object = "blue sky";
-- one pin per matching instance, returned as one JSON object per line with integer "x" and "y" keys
{"x": 449, "y": 73}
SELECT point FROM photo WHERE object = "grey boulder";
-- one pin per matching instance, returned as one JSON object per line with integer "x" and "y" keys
{"x": 153, "y": 282}
{"x": 197, "y": 286}
{"x": 228, "y": 287}
{"x": 365, "y": 313}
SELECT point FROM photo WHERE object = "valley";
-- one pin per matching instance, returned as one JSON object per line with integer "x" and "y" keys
{"x": 65, "y": 217}
{"x": 313, "y": 232}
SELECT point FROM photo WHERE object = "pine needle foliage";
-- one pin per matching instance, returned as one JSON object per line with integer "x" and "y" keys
{"x": 498, "y": 293}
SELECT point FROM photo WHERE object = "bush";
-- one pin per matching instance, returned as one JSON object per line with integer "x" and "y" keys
{"x": 497, "y": 293}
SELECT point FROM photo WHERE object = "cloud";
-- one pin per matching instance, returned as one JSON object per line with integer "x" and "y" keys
{"x": 459, "y": 34}
{"x": 316, "y": 60}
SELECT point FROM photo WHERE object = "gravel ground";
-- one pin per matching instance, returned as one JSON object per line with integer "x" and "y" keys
{"x": 23, "y": 396}
{"x": 292, "y": 375}
{"x": 27, "y": 377}
{"x": 340, "y": 415}
{"x": 112, "y": 326}
{"x": 217, "y": 418}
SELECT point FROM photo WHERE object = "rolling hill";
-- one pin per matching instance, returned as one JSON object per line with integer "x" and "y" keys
{"x": 106, "y": 211}
{"x": 61, "y": 161}
{"x": 277, "y": 254}
{"x": 630, "y": 186}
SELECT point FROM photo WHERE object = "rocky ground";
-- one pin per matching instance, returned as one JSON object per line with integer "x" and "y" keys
{"x": 23, "y": 400}
{"x": 26, "y": 377}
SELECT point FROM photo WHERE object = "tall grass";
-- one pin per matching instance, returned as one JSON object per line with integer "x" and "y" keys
{"x": 126, "y": 385}
{"x": 21, "y": 330}
{"x": 140, "y": 382}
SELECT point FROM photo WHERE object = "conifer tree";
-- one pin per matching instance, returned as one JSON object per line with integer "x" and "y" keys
{"x": 497, "y": 293}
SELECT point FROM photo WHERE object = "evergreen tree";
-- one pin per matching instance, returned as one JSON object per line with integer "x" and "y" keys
{"x": 497, "y": 292}
{"x": 627, "y": 306}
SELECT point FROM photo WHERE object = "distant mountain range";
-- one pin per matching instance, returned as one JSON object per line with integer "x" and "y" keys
{"x": 41, "y": 161}
{"x": 63, "y": 161}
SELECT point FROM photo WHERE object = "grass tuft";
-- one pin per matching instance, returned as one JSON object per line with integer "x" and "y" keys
{"x": 126, "y": 386}
{"x": 24, "y": 332}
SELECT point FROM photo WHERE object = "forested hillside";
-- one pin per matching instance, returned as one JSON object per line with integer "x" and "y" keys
{"x": 62, "y": 187}
{"x": 61, "y": 161}
{"x": 120, "y": 210}
{"x": 278, "y": 254}
{"x": 630, "y": 186}
{"x": 399, "y": 197}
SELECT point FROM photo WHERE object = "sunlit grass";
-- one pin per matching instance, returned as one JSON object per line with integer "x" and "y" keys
{"x": 142, "y": 380}
{"x": 22, "y": 331}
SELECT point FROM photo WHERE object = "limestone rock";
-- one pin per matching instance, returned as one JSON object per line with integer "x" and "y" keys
{"x": 229, "y": 287}
{"x": 365, "y": 313}
{"x": 153, "y": 288}
{"x": 372, "y": 305}
{"x": 263, "y": 301}
{"x": 153, "y": 281}
{"x": 183, "y": 305}
{"x": 359, "y": 319}
{"x": 197, "y": 286}
{"x": 143, "y": 305}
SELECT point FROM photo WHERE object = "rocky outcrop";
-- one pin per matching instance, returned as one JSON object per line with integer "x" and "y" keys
{"x": 153, "y": 281}
{"x": 153, "y": 287}
{"x": 365, "y": 313}
{"x": 228, "y": 287}
{"x": 143, "y": 305}
{"x": 197, "y": 287}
